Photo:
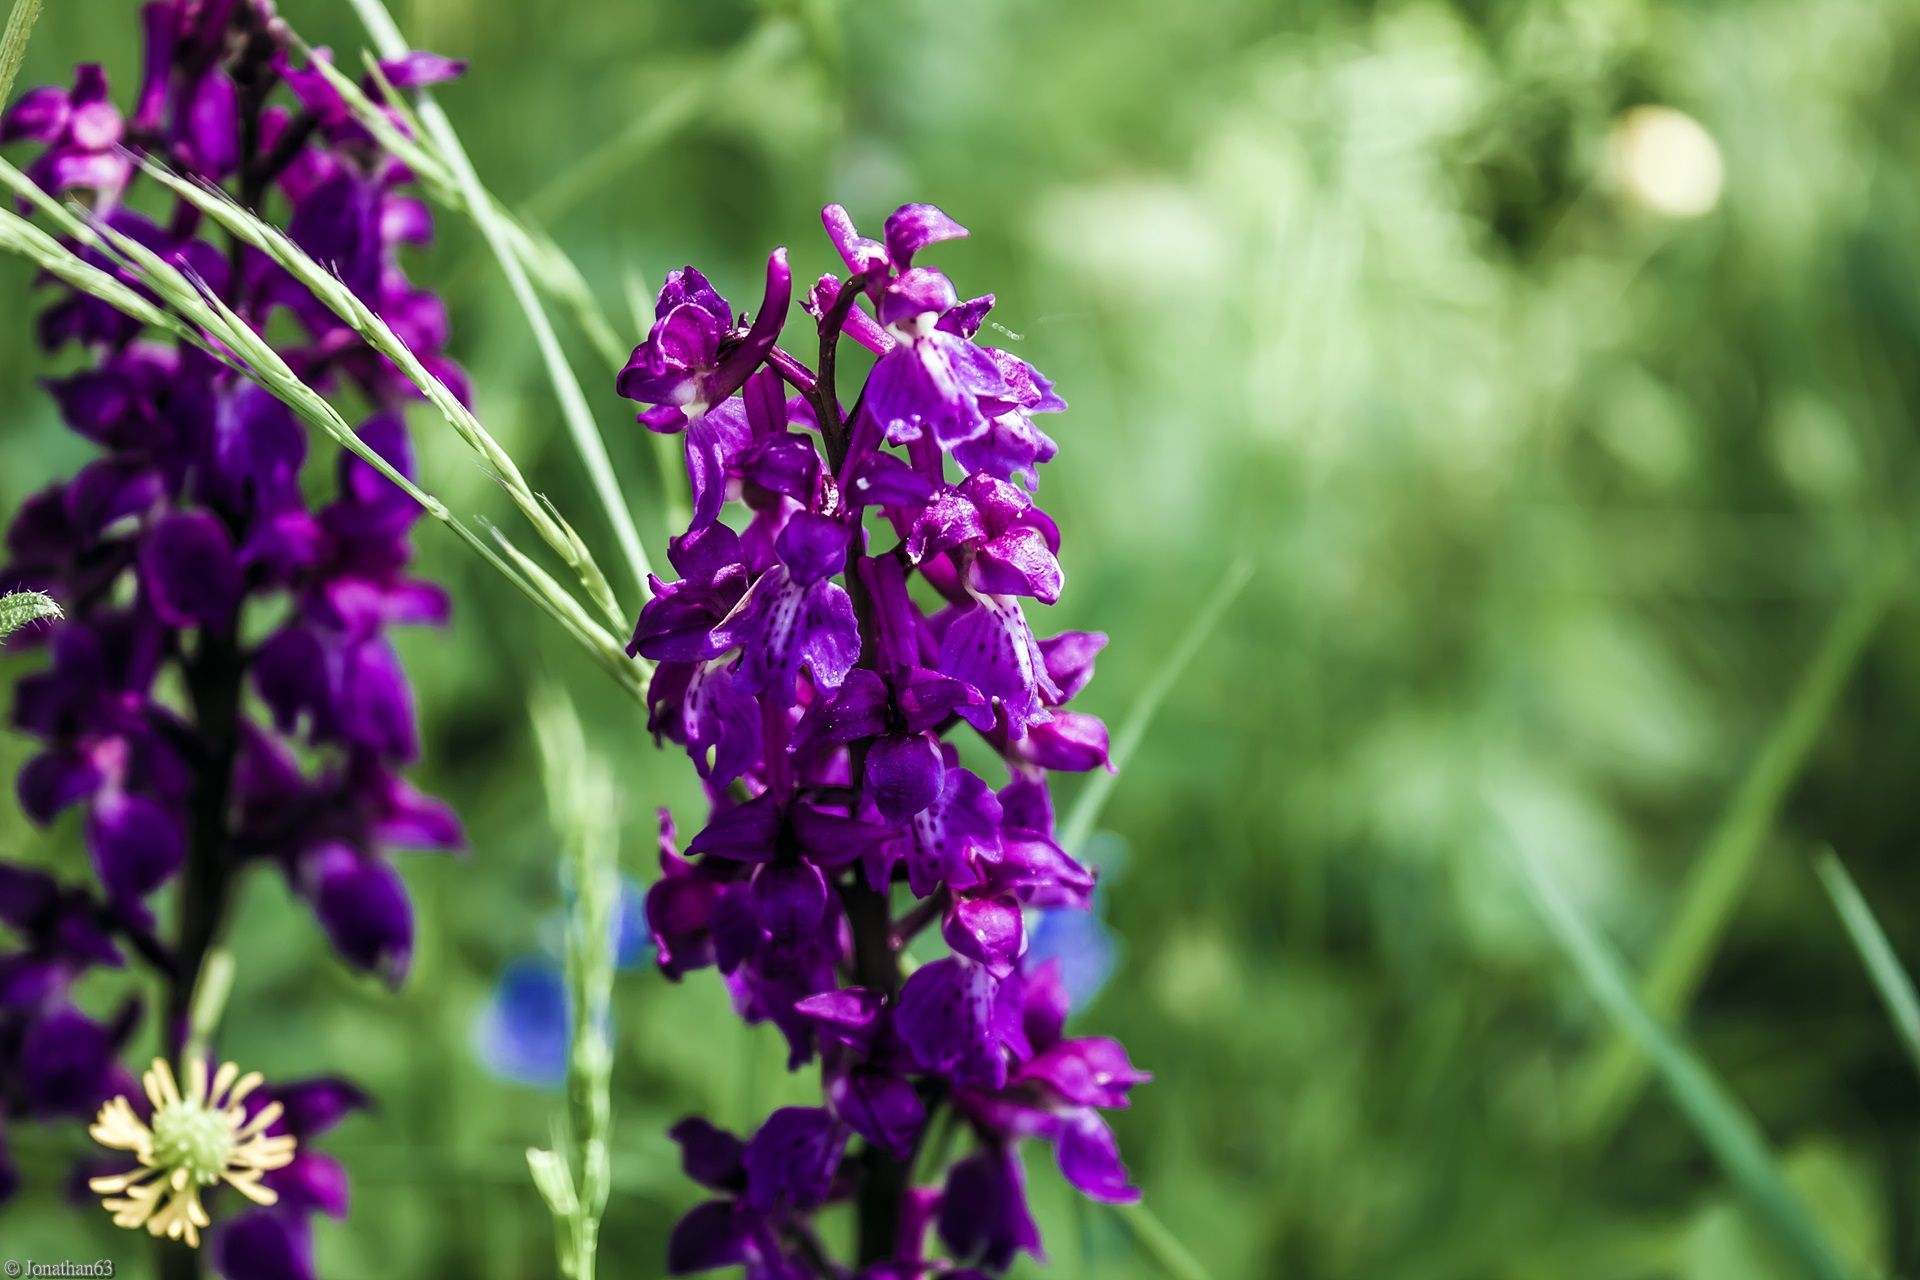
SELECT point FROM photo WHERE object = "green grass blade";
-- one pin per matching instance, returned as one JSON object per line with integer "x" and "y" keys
{"x": 13, "y": 44}
{"x": 1883, "y": 966}
{"x": 1729, "y": 1132}
{"x": 769, "y": 43}
{"x": 205, "y": 322}
{"x": 1160, "y": 1244}
{"x": 1614, "y": 1073}
{"x": 1099, "y": 786}
{"x": 484, "y": 210}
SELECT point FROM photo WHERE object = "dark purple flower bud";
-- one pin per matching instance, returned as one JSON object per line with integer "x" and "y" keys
{"x": 987, "y": 930}
{"x": 1071, "y": 742}
{"x": 880, "y": 1107}
{"x": 363, "y": 907}
{"x": 51, "y": 781}
{"x": 264, "y": 1244}
{"x": 207, "y": 139}
{"x": 790, "y": 900}
{"x": 136, "y": 844}
{"x": 711, "y": 1156}
{"x": 1090, "y": 1158}
{"x": 791, "y": 1161}
{"x": 709, "y": 1236}
{"x": 984, "y": 1216}
{"x": 188, "y": 567}
{"x": 66, "y": 1065}
{"x": 904, "y": 775}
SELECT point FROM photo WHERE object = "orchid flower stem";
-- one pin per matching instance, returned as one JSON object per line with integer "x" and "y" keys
{"x": 798, "y": 375}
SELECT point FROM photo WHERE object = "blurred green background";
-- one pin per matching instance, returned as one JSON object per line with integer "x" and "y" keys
{"x": 1575, "y": 450}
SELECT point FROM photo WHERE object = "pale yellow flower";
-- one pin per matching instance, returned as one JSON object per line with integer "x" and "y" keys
{"x": 196, "y": 1140}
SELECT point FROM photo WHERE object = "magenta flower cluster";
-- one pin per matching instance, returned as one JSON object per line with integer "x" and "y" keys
{"x": 820, "y": 659}
{"x": 224, "y": 693}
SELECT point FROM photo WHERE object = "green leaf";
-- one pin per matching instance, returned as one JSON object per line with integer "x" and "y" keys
{"x": 1726, "y": 1128}
{"x": 1883, "y": 966}
{"x": 18, "y": 608}
{"x": 1099, "y": 787}
{"x": 1614, "y": 1072}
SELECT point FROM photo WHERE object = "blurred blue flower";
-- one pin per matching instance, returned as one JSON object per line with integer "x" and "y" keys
{"x": 522, "y": 1031}
{"x": 631, "y": 937}
{"x": 1081, "y": 942}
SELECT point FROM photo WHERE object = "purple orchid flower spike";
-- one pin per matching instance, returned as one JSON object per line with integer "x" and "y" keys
{"x": 190, "y": 523}
{"x": 823, "y": 718}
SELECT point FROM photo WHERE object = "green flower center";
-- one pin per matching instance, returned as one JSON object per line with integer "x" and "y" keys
{"x": 192, "y": 1137}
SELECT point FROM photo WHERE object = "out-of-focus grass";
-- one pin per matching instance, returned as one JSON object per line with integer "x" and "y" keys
{"x": 1551, "y": 497}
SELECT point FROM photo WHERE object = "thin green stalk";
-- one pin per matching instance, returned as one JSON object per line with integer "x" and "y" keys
{"x": 203, "y": 321}
{"x": 1615, "y": 1071}
{"x": 770, "y": 42}
{"x": 493, "y": 228}
{"x": 1160, "y": 1244}
{"x": 556, "y": 532}
{"x": 13, "y": 44}
{"x": 1729, "y": 1132}
{"x": 1883, "y": 966}
{"x": 575, "y": 1176}
{"x": 1093, "y": 796}
{"x": 209, "y": 1002}
{"x": 550, "y": 268}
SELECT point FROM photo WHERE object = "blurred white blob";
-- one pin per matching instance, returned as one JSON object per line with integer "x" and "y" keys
{"x": 1663, "y": 160}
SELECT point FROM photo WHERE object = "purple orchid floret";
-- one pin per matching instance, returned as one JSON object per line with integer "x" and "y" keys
{"x": 695, "y": 356}
{"x": 224, "y": 694}
{"x": 821, "y": 695}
